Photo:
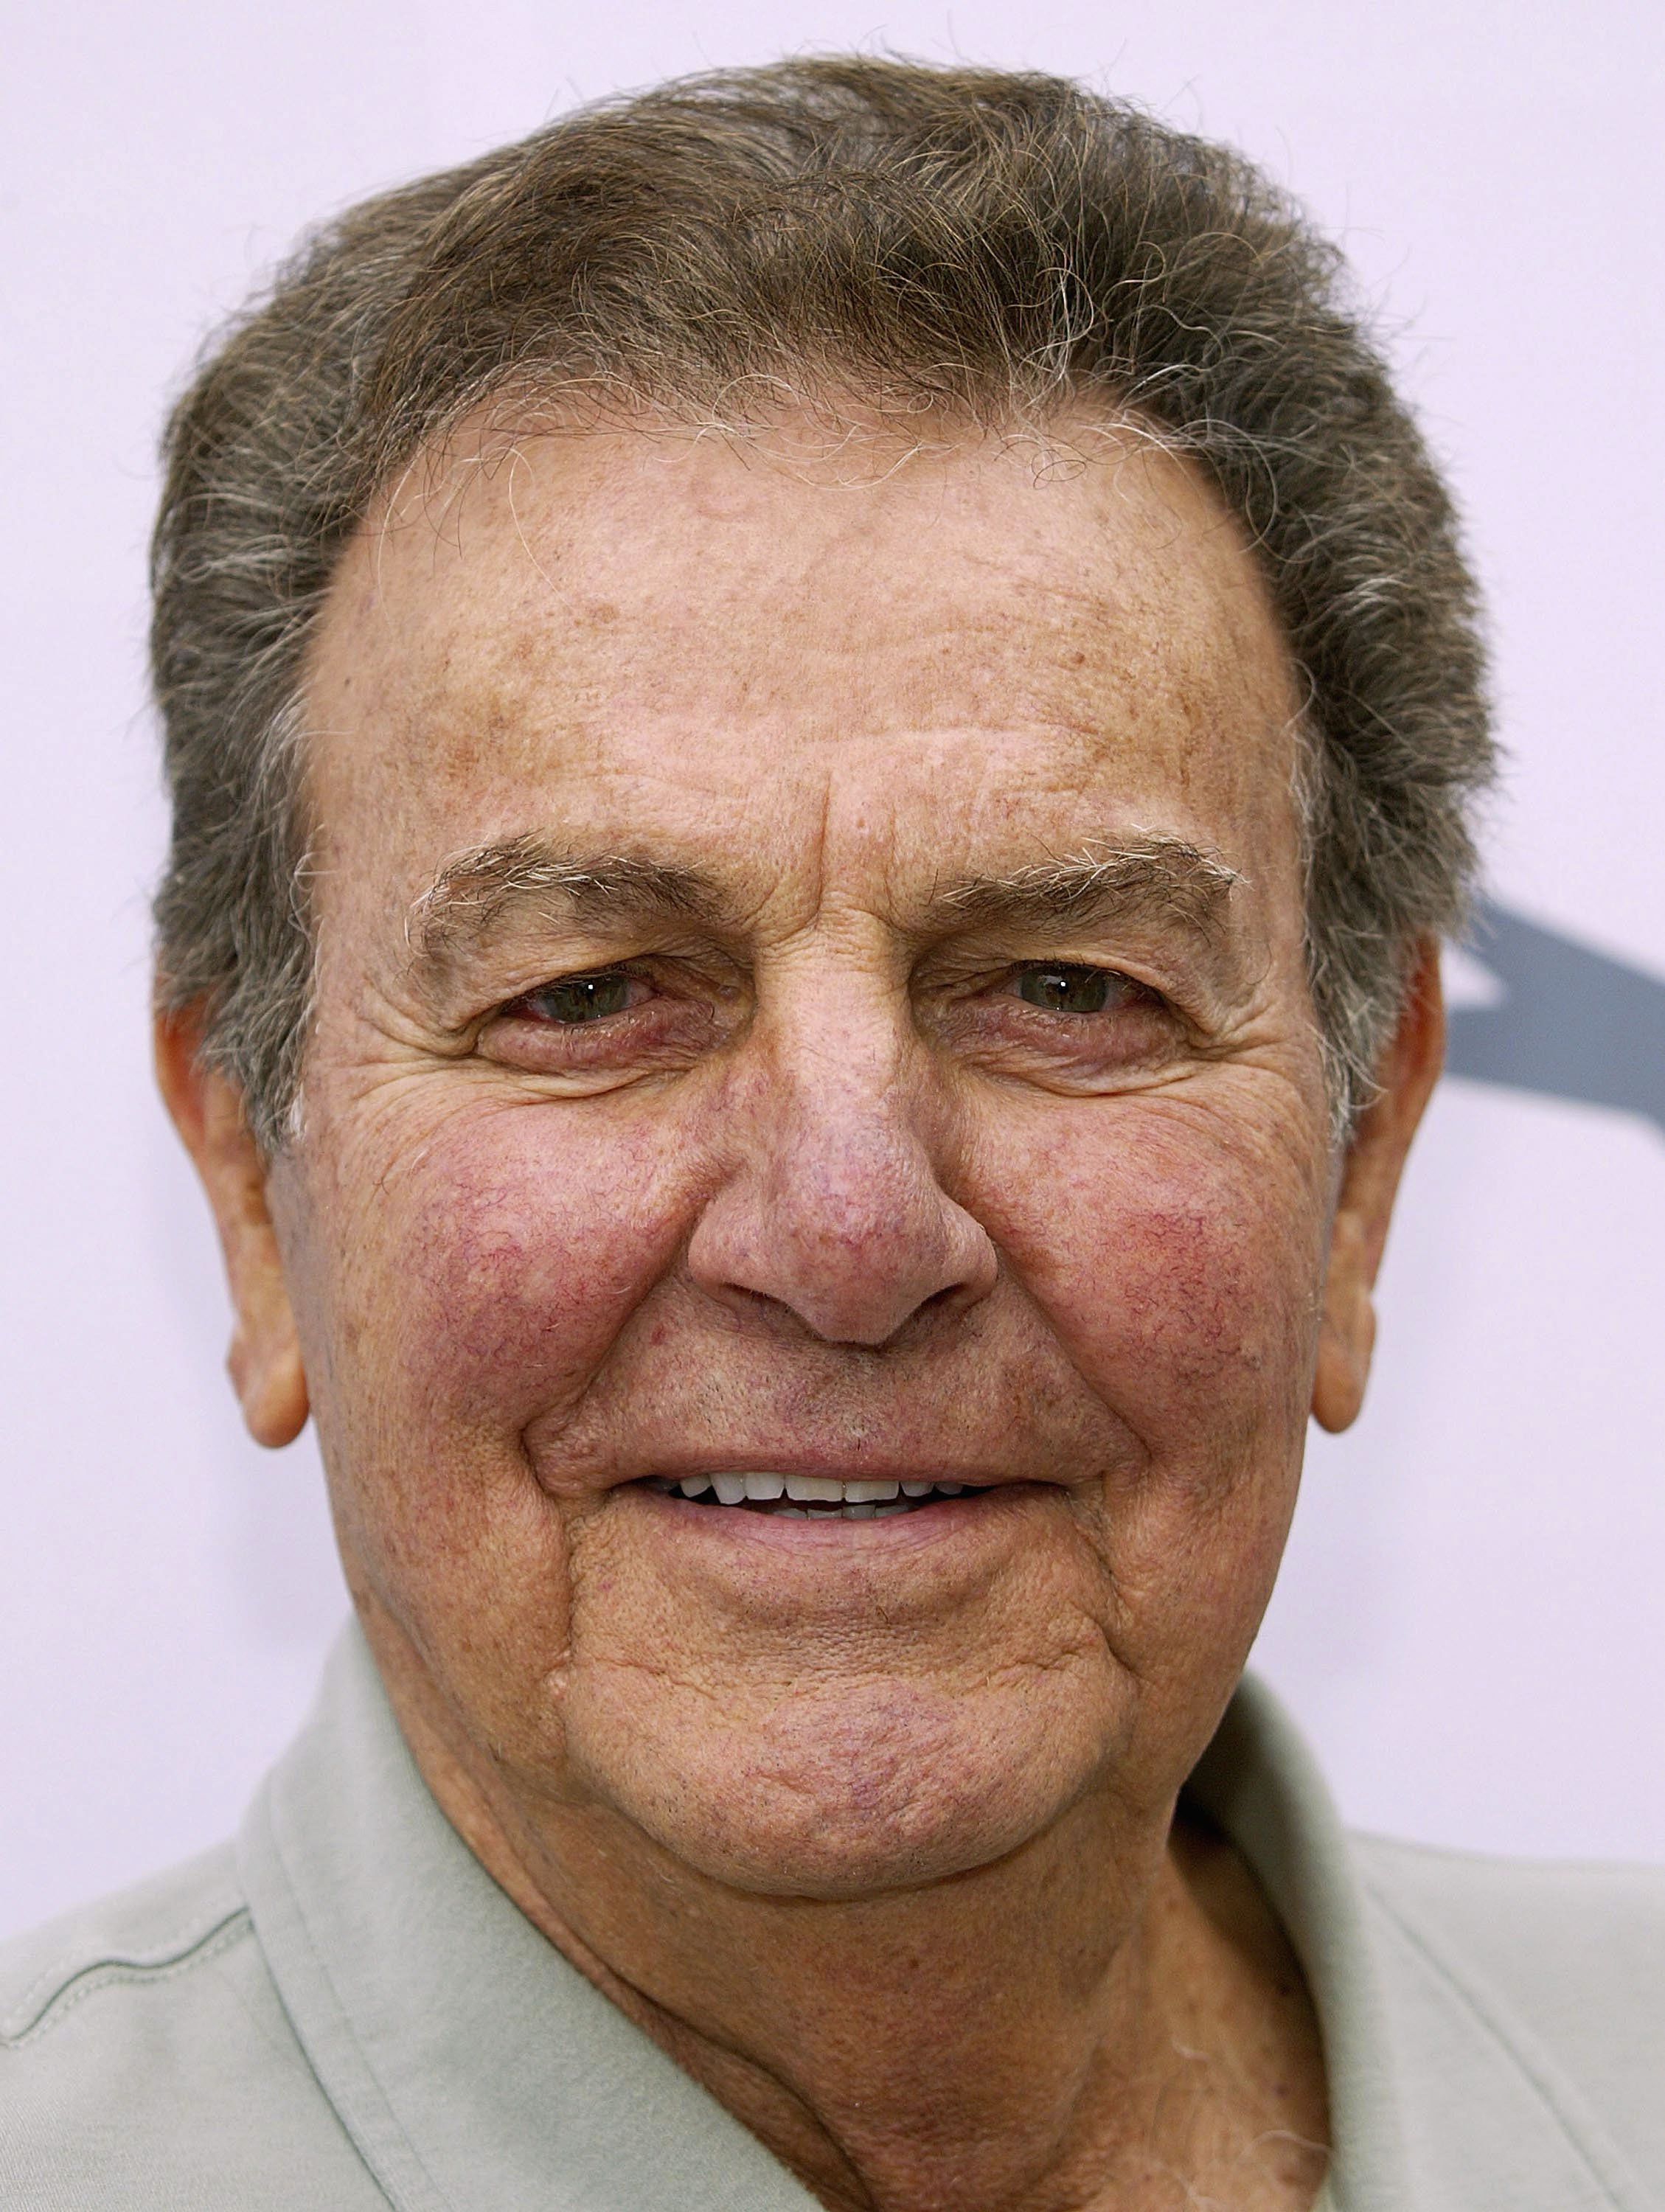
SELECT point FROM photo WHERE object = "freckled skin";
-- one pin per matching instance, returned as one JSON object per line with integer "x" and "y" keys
{"x": 750, "y": 1782}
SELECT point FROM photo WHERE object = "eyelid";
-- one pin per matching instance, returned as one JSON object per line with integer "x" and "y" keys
{"x": 992, "y": 978}
{"x": 699, "y": 962}
{"x": 597, "y": 974}
{"x": 1126, "y": 993}
{"x": 638, "y": 968}
{"x": 1076, "y": 968}
{"x": 992, "y": 953}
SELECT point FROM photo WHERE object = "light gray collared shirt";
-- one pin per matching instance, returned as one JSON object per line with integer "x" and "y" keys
{"x": 342, "y": 2012}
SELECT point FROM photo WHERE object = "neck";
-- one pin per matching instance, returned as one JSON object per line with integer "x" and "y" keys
{"x": 1108, "y": 2017}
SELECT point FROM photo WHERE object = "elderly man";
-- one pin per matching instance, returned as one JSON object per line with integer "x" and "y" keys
{"x": 819, "y": 727}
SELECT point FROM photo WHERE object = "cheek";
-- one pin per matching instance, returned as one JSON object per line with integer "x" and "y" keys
{"x": 1177, "y": 1260}
{"x": 478, "y": 1286}
{"x": 492, "y": 1275}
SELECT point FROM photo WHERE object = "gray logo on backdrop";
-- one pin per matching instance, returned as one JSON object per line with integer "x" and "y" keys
{"x": 1571, "y": 1023}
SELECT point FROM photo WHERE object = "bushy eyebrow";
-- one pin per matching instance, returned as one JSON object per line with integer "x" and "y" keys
{"x": 525, "y": 878}
{"x": 1143, "y": 880}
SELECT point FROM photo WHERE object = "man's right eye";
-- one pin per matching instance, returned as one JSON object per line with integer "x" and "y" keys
{"x": 578, "y": 999}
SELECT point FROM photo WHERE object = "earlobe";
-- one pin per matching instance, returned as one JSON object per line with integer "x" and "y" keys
{"x": 270, "y": 1381}
{"x": 1346, "y": 1334}
{"x": 265, "y": 1359}
{"x": 1370, "y": 1183}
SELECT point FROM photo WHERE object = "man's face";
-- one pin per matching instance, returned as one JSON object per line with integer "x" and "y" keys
{"x": 811, "y": 985}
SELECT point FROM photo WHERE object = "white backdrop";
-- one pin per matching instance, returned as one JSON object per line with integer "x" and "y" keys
{"x": 1469, "y": 1622}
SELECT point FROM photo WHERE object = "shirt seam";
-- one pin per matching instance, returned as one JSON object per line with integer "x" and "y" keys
{"x": 73, "y": 1989}
{"x": 205, "y": 1918}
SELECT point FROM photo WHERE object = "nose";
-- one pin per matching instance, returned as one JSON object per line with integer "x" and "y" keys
{"x": 833, "y": 1209}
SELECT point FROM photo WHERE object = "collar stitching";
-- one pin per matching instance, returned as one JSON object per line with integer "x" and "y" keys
{"x": 74, "y": 1989}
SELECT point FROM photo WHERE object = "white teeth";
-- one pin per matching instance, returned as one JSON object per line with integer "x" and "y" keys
{"x": 853, "y": 1501}
{"x": 820, "y": 1487}
{"x": 791, "y": 1512}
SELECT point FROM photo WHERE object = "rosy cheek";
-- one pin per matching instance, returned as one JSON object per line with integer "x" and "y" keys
{"x": 514, "y": 1250}
{"x": 488, "y": 1280}
{"x": 1176, "y": 1272}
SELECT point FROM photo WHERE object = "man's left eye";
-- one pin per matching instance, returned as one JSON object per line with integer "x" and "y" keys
{"x": 1061, "y": 989}
{"x": 577, "y": 998}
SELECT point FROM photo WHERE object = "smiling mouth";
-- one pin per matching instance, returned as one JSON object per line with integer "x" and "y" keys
{"x": 807, "y": 1497}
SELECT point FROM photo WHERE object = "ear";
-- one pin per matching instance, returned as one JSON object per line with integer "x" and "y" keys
{"x": 265, "y": 1359}
{"x": 1370, "y": 1181}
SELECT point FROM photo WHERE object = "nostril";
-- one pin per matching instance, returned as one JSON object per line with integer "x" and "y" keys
{"x": 856, "y": 1327}
{"x": 852, "y": 1233}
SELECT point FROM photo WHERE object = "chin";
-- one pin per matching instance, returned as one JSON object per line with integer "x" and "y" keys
{"x": 847, "y": 1792}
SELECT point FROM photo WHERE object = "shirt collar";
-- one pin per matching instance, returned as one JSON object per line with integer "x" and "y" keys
{"x": 1259, "y": 1784}
{"x": 477, "y": 2070}
{"x": 1441, "y": 2096}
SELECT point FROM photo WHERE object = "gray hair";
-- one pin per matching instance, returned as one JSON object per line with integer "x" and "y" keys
{"x": 994, "y": 247}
